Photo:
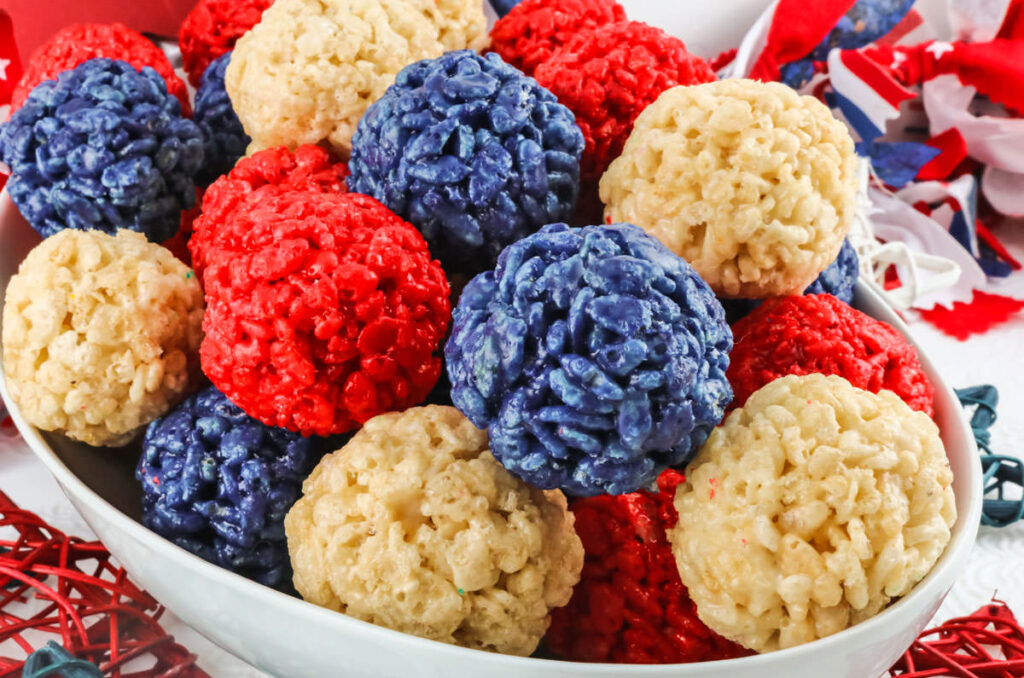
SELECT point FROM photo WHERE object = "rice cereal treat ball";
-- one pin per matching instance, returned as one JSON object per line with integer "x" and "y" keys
{"x": 210, "y": 30}
{"x": 224, "y": 138}
{"x": 819, "y": 333}
{"x": 100, "y": 334}
{"x": 308, "y": 168}
{"x": 78, "y": 43}
{"x": 470, "y": 151}
{"x": 218, "y": 483}
{"x": 307, "y": 72}
{"x": 630, "y": 606}
{"x": 750, "y": 182}
{"x": 323, "y": 310}
{"x": 809, "y": 510}
{"x": 609, "y": 74}
{"x": 533, "y": 30}
{"x": 594, "y": 356}
{"x": 839, "y": 280}
{"x": 414, "y": 526}
{"x": 103, "y": 147}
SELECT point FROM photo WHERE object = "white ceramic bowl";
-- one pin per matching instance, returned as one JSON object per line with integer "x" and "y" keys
{"x": 294, "y": 639}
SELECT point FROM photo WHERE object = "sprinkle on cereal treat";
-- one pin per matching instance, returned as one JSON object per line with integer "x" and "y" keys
{"x": 414, "y": 526}
{"x": 609, "y": 74}
{"x": 102, "y": 147}
{"x": 210, "y": 30}
{"x": 275, "y": 170}
{"x": 470, "y": 151}
{"x": 750, "y": 182}
{"x": 533, "y": 30}
{"x": 100, "y": 335}
{"x": 819, "y": 333}
{"x": 809, "y": 510}
{"x": 308, "y": 70}
{"x": 323, "y": 310}
{"x": 224, "y": 139}
{"x": 218, "y": 483}
{"x": 78, "y": 43}
{"x": 630, "y": 606}
{"x": 594, "y": 357}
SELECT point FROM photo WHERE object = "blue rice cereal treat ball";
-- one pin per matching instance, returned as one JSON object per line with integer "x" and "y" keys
{"x": 218, "y": 483}
{"x": 102, "y": 147}
{"x": 595, "y": 357}
{"x": 224, "y": 139}
{"x": 470, "y": 151}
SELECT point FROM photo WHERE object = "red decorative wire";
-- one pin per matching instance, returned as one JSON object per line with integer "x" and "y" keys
{"x": 80, "y": 596}
{"x": 987, "y": 644}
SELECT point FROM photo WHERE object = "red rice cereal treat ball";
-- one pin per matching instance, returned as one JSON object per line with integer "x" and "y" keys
{"x": 819, "y": 333}
{"x": 101, "y": 334}
{"x": 750, "y": 182}
{"x": 630, "y": 606}
{"x": 608, "y": 75}
{"x": 533, "y": 30}
{"x": 323, "y": 310}
{"x": 77, "y": 43}
{"x": 308, "y": 168}
{"x": 211, "y": 28}
{"x": 413, "y": 525}
{"x": 308, "y": 70}
{"x": 809, "y": 510}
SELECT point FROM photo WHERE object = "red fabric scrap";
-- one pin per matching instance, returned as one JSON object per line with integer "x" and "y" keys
{"x": 797, "y": 28}
{"x": 952, "y": 151}
{"x": 978, "y": 316}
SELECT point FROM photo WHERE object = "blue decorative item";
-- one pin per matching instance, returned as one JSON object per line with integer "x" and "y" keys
{"x": 224, "y": 138}
{"x": 595, "y": 357}
{"x": 103, "y": 147}
{"x": 218, "y": 483}
{"x": 1004, "y": 475}
{"x": 839, "y": 280}
{"x": 470, "y": 151}
{"x": 53, "y": 661}
{"x": 863, "y": 24}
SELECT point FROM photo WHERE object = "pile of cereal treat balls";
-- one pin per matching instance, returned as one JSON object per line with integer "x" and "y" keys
{"x": 398, "y": 384}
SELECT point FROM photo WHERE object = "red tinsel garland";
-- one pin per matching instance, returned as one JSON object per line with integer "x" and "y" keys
{"x": 97, "y": 612}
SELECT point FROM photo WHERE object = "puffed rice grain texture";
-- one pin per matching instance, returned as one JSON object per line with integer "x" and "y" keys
{"x": 750, "y": 182}
{"x": 809, "y": 510}
{"x": 413, "y": 525}
{"x": 101, "y": 334}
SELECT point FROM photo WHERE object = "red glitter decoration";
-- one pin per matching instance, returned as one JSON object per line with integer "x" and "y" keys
{"x": 211, "y": 29}
{"x": 630, "y": 606}
{"x": 98, "y": 613}
{"x": 309, "y": 168}
{"x": 819, "y": 333}
{"x": 528, "y": 35}
{"x": 608, "y": 75}
{"x": 77, "y": 43}
{"x": 965, "y": 647}
{"x": 981, "y": 314}
{"x": 322, "y": 310}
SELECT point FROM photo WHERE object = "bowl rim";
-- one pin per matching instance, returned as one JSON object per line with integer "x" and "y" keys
{"x": 959, "y": 546}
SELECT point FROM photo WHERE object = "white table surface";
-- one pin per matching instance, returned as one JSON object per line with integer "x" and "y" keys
{"x": 995, "y": 566}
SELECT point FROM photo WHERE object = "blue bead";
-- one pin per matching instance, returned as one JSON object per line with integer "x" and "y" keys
{"x": 102, "y": 147}
{"x": 595, "y": 358}
{"x": 218, "y": 483}
{"x": 470, "y": 151}
{"x": 224, "y": 138}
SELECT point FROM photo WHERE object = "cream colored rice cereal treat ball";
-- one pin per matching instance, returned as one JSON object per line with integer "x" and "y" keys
{"x": 101, "y": 334}
{"x": 413, "y": 525}
{"x": 308, "y": 70}
{"x": 809, "y": 510}
{"x": 750, "y": 182}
